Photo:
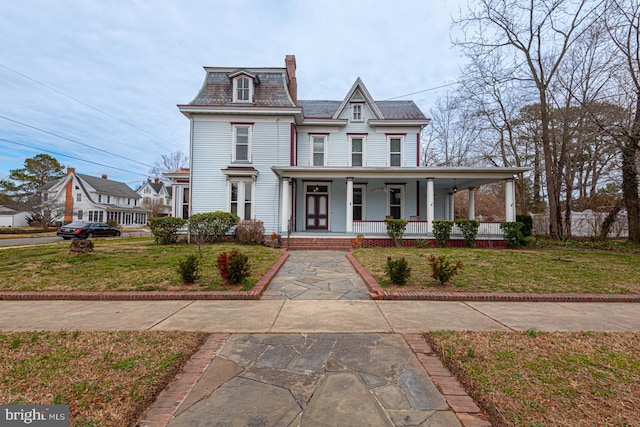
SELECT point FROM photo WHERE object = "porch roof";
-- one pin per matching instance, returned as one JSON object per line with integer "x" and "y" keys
{"x": 444, "y": 177}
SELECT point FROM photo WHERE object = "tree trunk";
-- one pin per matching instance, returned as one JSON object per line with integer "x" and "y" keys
{"x": 555, "y": 212}
{"x": 630, "y": 183}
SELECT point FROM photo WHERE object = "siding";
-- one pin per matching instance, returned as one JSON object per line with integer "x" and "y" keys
{"x": 212, "y": 145}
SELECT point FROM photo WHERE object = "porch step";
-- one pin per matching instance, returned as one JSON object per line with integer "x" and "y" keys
{"x": 317, "y": 243}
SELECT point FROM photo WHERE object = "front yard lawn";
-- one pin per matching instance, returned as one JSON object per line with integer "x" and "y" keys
{"x": 107, "y": 378}
{"x": 540, "y": 270}
{"x": 547, "y": 379}
{"x": 122, "y": 265}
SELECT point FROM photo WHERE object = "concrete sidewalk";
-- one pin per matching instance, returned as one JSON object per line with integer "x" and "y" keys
{"x": 313, "y": 316}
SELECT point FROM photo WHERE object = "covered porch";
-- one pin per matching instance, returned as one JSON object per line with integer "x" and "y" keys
{"x": 356, "y": 200}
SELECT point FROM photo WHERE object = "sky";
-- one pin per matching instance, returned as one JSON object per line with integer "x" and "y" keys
{"x": 95, "y": 83}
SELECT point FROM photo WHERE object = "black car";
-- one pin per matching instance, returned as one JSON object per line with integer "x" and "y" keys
{"x": 83, "y": 230}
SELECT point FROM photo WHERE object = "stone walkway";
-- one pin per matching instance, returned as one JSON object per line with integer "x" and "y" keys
{"x": 317, "y": 275}
{"x": 314, "y": 380}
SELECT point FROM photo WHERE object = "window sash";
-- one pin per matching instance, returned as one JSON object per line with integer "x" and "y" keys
{"x": 395, "y": 202}
{"x": 241, "y": 143}
{"x": 358, "y": 203}
{"x": 242, "y": 89}
{"x": 356, "y": 112}
{"x": 318, "y": 149}
{"x": 357, "y": 151}
{"x": 395, "y": 151}
{"x": 241, "y": 198}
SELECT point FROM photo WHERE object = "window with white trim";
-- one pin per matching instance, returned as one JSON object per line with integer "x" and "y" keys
{"x": 241, "y": 198}
{"x": 241, "y": 143}
{"x": 395, "y": 201}
{"x": 356, "y": 112}
{"x": 357, "y": 150}
{"x": 242, "y": 89}
{"x": 358, "y": 202}
{"x": 394, "y": 144}
{"x": 318, "y": 150}
{"x": 79, "y": 197}
{"x": 185, "y": 203}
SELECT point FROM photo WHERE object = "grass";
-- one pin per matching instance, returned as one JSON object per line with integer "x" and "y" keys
{"x": 506, "y": 270}
{"x": 122, "y": 265}
{"x": 539, "y": 378}
{"x": 107, "y": 378}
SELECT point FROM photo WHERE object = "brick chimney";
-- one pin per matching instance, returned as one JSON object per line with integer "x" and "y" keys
{"x": 156, "y": 180}
{"x": 70, "y": 171}
{"x": 290, "y": 63}
{"x": 104, "y": 176}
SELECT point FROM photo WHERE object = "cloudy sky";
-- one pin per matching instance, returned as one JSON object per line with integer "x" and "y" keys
{"x": 95, "y": 83}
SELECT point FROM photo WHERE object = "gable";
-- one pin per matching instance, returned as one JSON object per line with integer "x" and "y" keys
{"x": 359, "y": 94}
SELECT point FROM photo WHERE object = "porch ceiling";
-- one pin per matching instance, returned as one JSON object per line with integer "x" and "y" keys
{"x": 444, "y": 177}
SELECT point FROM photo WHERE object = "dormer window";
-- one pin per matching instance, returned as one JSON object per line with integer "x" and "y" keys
{"x": 242, "y": 89}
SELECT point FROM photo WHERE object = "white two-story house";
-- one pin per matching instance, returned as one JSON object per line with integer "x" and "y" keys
{"x": 156, "y": 196}
{"x": 309, "y": 166}
{"x": 94, "y": 199}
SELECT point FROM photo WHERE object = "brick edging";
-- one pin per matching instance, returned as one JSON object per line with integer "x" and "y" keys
{"x": 468, "y": 412}
{"x": 254, "y": 294}
{"x": 170, "y": 399}
{"x": 376, "y": 292}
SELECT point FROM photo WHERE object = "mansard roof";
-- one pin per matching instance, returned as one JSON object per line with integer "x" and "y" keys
{"x": 270, "y": 88}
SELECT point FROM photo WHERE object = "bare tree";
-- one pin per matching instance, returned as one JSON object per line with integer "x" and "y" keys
{"x": 452, "y": 134}
{"x": 170, "y": 163}
{"x": 623, "y": 25}
{"x": 533, "y": 37}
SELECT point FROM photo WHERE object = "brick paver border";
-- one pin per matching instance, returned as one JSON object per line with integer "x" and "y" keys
{"x": 376, "y": 292}
{"x": 253, "y": 294}
{"x": 465, "y": 408}
{"x": 170, "y": 399}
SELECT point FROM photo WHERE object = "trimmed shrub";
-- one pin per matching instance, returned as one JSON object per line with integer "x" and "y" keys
{"x": 395, "y": 229}
{"x": 113, "y": 223}
{"x": 233, "y": 267}
{"x": 165, "y": 229}
{"x": 513, "y": 234}
{"x": 250, "y": 232}
{"x": 527, "y": 224}
{"x": 188, "y": 268}
{"x": 469, "y": 229}
{"x": 211, "y": 226}
{"x": 397, "y": 270}
{"x": 442, "y": 231}
{"x": 442, "y": 269}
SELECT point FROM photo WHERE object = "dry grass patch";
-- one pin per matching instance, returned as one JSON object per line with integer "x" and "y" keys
{"x": 543, "y": 379}
{"x": 121, "y": 265}
{"x": 107, "y": 378}
{"x": 504, "y": 270}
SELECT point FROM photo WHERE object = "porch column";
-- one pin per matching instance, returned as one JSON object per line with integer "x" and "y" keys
{"x": 509, "y": 200}
{"x": 430, "y": 205}
{"x": 349, "y": 205}
{"x": 452, "y": 212}
{"x": 285, "y": 208}
{"x": 472, "y": 203}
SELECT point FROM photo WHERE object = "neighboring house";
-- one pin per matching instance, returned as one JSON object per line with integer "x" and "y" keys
{"x": 93, "y": 199}
{"x": 305, "y": 166}
{"x": 13, "y": 218}
{"x": 180, "y": 191}
{"x": 156, "y": 197}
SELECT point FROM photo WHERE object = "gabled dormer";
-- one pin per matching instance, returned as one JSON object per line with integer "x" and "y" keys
{"x": 244, "y": 84}
{"x": 355, "y": 101}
